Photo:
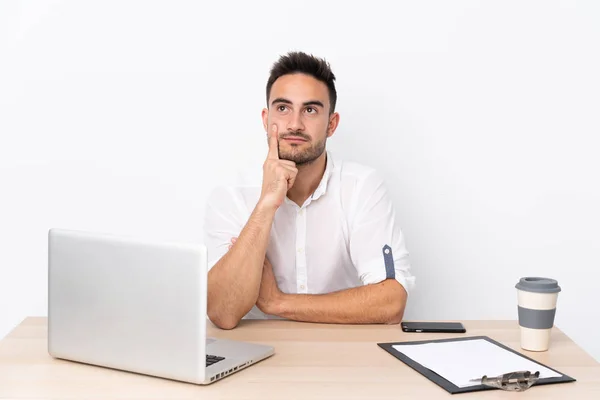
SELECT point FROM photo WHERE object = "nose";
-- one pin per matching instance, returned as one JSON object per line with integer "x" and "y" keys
{"x": 295, "y": 122}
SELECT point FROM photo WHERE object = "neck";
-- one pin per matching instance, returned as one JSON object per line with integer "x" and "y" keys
{"x": 308, "y": 179}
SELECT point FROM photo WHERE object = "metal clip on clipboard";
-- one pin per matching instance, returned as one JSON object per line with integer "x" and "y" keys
{"x": 517, "y": 381}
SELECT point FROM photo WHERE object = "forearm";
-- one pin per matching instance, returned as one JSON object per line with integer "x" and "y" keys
{"x": 379, "y": 303}
{"x": 234, "y": 282}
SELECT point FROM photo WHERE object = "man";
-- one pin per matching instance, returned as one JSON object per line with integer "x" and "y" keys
{"x": 318, "y": 240}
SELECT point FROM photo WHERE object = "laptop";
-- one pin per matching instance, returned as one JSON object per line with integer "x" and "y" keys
{"x": 136, "y": 306}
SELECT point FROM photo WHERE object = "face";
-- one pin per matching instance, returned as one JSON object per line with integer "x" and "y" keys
{"x": 299, "y": 106}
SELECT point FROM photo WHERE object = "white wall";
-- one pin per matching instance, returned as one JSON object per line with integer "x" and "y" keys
{"x": 120, "y": 116}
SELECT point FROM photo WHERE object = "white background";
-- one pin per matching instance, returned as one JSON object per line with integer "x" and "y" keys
{"x": 120, "y": 116}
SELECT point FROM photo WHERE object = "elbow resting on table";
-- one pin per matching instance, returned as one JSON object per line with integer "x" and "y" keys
{"x": 396, "y": 315}
{"x": 397, "y": 306}
{"x": 223, "y": 321}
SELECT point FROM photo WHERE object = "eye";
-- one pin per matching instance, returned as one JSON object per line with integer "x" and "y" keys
{"x": 311, "y": 110}
{"x": 281, "y": 108}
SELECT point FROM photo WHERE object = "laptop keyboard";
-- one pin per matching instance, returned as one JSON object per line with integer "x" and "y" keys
{"x": 210, "y": 360}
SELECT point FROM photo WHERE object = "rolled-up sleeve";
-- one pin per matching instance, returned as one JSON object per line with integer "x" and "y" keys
{"x": 377, "y": 245}
{"x": 225, "y": 217}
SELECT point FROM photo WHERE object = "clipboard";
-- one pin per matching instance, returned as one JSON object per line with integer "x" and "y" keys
{"x": 449, "y": 386}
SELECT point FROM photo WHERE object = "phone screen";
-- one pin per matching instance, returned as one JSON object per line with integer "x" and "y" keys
{"x": 433, "y": 327}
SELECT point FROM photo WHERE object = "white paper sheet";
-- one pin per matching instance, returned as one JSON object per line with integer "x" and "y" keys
{"x": 461, "y": 361}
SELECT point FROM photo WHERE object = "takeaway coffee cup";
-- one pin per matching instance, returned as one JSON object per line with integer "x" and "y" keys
{"x": 537, "y": 308}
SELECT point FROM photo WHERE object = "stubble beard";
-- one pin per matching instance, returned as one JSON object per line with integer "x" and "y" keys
{"x": 304, "y": 156}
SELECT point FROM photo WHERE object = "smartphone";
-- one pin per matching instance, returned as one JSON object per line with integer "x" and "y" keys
{"x": 446, "y": 327}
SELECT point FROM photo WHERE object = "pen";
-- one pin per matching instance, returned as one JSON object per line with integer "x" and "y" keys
{"x": 517, "y": 381}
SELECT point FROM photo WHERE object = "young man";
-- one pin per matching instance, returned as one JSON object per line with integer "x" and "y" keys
{"x": 318, "y": 240}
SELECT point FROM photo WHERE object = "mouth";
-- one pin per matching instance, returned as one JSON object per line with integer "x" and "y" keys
{"x": 294, "y": 140}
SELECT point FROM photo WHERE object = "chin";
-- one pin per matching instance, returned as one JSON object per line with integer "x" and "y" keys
{"x": 300, "y": 158}
{"x": 301, "y": 154}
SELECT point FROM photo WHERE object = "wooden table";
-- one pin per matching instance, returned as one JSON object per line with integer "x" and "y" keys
{"x": 311, "y": 361}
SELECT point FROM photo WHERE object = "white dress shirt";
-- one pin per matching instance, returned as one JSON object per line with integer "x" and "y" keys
{"x": 345, "y": 235}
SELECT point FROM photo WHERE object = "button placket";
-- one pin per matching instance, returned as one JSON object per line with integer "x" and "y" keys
{"x": 301, "y": 273}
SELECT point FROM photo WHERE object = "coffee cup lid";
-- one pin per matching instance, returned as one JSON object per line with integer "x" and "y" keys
{"x": 538, "y": 285}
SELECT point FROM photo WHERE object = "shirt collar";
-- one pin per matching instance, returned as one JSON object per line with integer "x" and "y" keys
{"x": 322, "y": 188}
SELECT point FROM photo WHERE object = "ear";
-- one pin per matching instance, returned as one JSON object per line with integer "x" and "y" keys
{"x": 265, "y": 119}
{"x": 334, "y": 120}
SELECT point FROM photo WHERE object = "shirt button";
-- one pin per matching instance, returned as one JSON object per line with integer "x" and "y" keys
{"x": 301, "y": 211}
{"x": 300, "y": 250}
{"x": 302, "y": 287}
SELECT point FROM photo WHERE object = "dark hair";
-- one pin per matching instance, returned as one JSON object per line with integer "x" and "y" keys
{"x": 299, "y": 62}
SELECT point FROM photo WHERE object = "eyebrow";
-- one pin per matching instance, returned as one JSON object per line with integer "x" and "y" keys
{"x": 306, "y": 103}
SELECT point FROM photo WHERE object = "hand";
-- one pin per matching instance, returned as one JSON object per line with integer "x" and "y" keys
{"x": 269, "y": 296}
{"x": 278, "y": 175}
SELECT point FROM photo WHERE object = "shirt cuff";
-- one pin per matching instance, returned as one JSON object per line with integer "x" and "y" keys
{"x": 377, "y": 274}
